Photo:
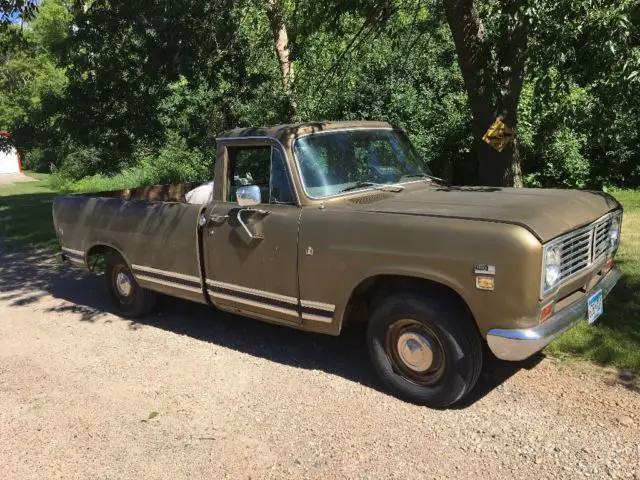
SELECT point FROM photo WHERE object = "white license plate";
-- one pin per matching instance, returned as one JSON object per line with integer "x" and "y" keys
{"x": 595, "y": 306}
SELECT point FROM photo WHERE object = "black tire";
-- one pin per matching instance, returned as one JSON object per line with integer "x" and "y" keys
{"x": 456, "y": 348}
{"x": 139, "y": 301}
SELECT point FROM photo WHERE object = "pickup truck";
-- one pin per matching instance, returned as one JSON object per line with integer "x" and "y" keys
{"x": 319, "y": 225}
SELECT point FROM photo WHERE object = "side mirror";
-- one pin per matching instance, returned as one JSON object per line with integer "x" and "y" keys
{"x": 249, "y": 196}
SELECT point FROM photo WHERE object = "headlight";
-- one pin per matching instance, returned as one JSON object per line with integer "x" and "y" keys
{"x": 614, "y": 233}
{"x": 552, "y": 267}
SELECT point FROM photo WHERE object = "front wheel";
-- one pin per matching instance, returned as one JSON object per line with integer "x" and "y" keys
{"x": 425, "y": 348}
{"x": 131, "y": 300}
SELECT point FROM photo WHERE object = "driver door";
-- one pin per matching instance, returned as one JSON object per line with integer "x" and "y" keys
{"x": 251, "y": 246}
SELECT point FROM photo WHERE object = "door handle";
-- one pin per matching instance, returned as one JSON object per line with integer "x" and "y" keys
{"x": 252, "y": 236}
{"x": 216, "y": 218}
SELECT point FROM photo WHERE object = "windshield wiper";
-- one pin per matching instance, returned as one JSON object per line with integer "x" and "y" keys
{"x": 414, "y": 175}
{"x": 358, "y": 185}
{"x": 426, "y": 177}
{"x": 378, "y": 186}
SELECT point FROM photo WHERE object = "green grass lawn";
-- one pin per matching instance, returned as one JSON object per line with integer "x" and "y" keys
{"x": 615, "y": 338}
{"x": 25, "y": 221}
{"x": 25, "y": 214}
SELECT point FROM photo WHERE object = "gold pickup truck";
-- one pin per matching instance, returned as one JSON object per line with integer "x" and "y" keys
{"x": 319, "y": 225}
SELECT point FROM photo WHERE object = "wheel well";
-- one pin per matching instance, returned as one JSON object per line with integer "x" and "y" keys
{"x": 371, "y": 291}
{"x": 97, "y": 254}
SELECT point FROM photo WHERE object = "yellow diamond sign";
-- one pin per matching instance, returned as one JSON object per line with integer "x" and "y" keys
{"x": 499, "y": 135}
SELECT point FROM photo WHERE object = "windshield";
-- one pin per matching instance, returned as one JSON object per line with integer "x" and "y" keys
{"x": 335, "y": 162}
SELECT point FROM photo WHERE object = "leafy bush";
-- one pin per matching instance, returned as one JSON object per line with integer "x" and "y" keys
{"x": 177, "y": 163}
{"x": 80, "y": 162}
{"x": 39, "y": 160}
{"x": 565, "y": 164}
{"x": 174, "y": 163}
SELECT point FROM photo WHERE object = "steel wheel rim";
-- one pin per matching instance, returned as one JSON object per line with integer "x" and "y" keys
{"x": 415, "y": 352}
{"x": 123, "y": 284}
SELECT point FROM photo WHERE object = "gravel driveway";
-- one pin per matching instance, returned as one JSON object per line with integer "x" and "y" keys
{"x": 193, "y": 393}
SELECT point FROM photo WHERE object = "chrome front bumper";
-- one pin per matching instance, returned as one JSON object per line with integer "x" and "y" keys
{"x": 519, "y": 344}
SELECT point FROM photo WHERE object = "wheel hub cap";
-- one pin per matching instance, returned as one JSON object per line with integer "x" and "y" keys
{"x": 415, "y": 351}
{"x": 123, "y": 284}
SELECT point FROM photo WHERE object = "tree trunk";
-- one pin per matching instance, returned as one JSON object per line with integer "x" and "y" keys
{"x": 281, "y": 44}
{"x": 499, "y": 168}
{"x": 490, "y": 95}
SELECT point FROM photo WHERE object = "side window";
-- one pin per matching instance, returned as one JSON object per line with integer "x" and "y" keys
{"x": 281, "y": 191}
{"x": 261, "y": 166}
{"x": 248, "y": 166}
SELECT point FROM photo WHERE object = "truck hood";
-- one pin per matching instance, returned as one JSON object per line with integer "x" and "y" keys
{"x": 546, "y": 213}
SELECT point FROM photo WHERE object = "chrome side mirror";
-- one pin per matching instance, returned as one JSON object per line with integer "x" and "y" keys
{"x": 249, "y": 196}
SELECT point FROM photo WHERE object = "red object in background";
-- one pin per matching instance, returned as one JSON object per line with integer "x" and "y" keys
{"x": 4, "y": 133}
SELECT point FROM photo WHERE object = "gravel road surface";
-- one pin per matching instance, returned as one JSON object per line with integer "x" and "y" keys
{"x": 194, "y": 393}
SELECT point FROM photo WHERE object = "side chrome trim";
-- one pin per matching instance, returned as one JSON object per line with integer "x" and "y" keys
{"x": 168, "y": 284}
{"x": 518, "y": 344}
{"x": 167, "y": 273}
{"x": 73, "y": 256}
{"x": 252, "y": 303}
{"x": 308, "y": 309}
{"x": 167, "y": 278}
{"x": 318, "y": 305}
{"x": 316, "y": 318}
{"x": 73, "y": 252}
{"x": 252, "y": 291}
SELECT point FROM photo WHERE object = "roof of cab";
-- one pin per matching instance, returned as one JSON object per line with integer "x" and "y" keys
{"x": 286, "y": 131}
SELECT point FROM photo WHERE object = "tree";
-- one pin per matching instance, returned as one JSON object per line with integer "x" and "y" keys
{"x": 275, "y": 13}
{"x": 28, "y": 71}
{"x": 12, "y": 10}
{"x": 493, "y": 72}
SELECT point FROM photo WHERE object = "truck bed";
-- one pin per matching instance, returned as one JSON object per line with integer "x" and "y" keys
{"x": 152, "y": 228}
{"x": 173, "y": 192}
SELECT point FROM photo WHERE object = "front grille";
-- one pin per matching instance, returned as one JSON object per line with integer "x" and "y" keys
{"x": 583, "y": 247}
{"x": 602, "y": 237}
{"x": 576, "y": 253}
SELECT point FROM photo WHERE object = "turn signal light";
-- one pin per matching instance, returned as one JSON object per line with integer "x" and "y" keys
{"x": 546, "y": 312}
{"x": 609, "y": 265}
{"x": 485, "y": 283}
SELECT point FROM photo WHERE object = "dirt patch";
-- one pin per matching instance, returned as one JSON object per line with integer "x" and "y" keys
{"x": 9, "y": 178}
{"x": 189, "y": 392}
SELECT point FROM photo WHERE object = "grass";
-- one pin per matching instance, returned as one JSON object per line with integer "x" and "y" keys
{"x": 101, "y": 183}
{"x": 614, "y": 340}
{"x": 25, "y": 213}
{"x": 25, "y": 221}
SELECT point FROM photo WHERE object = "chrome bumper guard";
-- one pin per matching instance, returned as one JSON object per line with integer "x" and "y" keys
{"x": 519, "y": 344}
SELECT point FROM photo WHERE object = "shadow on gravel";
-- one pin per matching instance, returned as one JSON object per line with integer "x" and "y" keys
{"x": 27, "y": 277}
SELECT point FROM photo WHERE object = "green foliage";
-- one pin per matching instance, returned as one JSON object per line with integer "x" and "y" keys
{"x": 133, "y": 87}
{"x": 26, "y": 78}
{"x": 38, "y": 160}
{"x": 80, "y": 162}
{"x": 51, "y": 25}
{"x": 174, "y": 163}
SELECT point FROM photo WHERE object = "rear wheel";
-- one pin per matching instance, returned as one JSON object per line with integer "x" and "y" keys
{"x": 131, "y": 300}
{"x": 425, "y": 348}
